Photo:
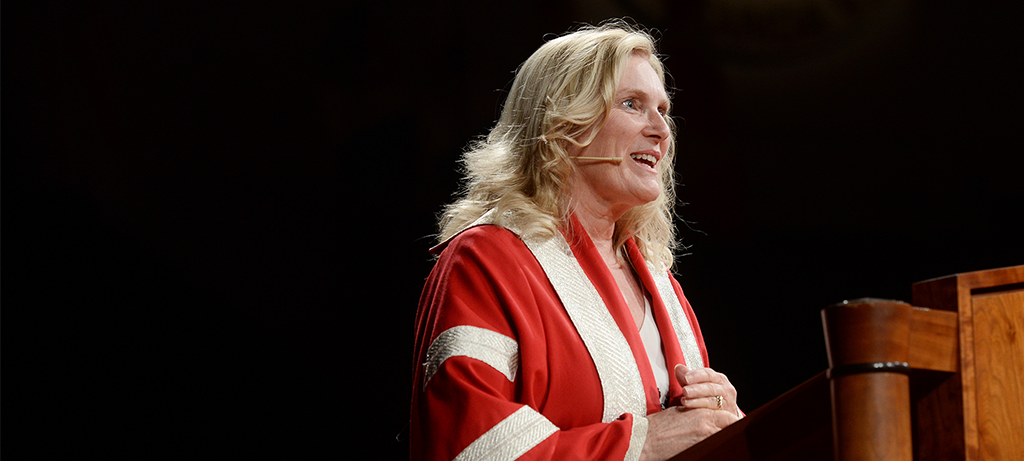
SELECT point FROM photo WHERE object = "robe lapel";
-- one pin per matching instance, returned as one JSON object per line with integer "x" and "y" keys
{"x": 621, "y": 383}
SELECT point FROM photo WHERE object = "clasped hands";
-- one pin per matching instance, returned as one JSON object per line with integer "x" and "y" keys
{"x": 707, "y": 405}
{"x": 706, "y": 388}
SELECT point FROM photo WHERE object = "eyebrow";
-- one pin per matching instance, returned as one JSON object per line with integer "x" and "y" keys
{"x": 636, "y": 92}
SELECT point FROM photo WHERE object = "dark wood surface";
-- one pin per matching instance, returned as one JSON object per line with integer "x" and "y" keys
{"x": 794, "y": 426}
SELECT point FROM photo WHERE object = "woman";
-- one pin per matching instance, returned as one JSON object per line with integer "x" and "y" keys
{"x": 550, "y": 327}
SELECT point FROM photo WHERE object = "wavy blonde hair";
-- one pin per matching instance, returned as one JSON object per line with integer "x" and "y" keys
{"x": 522, "y": 169}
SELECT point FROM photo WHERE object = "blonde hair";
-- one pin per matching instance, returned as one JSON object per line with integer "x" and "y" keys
{"x": 522, "y": 169}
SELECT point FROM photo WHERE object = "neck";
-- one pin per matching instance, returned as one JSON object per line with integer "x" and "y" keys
{"x": 598, "y": 216}
{"x": 600, "y": 226}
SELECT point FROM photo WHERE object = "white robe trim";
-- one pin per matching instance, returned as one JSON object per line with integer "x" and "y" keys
{"x": 511, "y": 438}
{"x": 495, "y": 349}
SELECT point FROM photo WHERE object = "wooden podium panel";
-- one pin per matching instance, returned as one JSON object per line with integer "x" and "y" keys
{"x": 998, "y": 395}
{"x": 987, "y": 394}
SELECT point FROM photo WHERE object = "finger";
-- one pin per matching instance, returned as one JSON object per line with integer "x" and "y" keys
{"x": 680, "y": 372}
{"x": 698, "y": 390}
{"x": 714, "y": 402}
{"x": 699, "y": 375}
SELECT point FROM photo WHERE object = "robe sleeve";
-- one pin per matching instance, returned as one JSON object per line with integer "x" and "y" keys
{"x": 468, "y": 384}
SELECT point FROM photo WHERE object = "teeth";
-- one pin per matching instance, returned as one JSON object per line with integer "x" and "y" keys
{"x": 645, "y": 158}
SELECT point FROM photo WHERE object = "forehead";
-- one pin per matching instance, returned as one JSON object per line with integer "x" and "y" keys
{"x": 640, "y": 79}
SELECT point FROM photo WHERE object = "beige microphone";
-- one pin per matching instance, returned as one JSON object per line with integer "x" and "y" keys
{"x": 600, "y": 159}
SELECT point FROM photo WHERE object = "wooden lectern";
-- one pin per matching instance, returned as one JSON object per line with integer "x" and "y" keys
{"x": 942, "y": 381}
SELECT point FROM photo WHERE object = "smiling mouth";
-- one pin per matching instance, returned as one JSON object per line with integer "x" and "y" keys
{"x": 646, "y": 159}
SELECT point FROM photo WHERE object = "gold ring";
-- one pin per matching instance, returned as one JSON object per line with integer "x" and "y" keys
{"x": 719, "y": 399}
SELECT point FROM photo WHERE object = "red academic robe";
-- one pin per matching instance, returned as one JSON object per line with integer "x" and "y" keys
{"x": 503, "y": 372}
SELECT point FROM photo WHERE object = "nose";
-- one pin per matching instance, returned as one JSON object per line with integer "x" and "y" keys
{"x": 657, "y": 126}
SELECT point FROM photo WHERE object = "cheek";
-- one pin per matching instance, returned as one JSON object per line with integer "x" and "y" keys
{"x": 617, "y": 135}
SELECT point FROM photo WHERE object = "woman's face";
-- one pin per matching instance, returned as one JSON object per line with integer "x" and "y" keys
{"x": 635, "y": 131}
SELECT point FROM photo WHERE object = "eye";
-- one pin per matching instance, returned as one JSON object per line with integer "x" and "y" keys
{"x": 630, "y": 103}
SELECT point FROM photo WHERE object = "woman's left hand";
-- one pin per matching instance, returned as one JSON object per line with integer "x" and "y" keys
{"x": 706, "y": 388}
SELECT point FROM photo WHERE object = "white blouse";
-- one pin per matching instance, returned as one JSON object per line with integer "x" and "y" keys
{"x": 651, "y": 338}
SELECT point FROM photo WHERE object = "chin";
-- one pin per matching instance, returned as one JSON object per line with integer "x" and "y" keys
{"x": 648, "y": 196}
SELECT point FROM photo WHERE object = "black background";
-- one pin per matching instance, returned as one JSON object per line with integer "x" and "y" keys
{"x": 216, "y": 214}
